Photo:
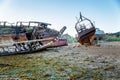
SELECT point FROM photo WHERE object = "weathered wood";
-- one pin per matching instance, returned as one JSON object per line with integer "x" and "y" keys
{"x": 28, "y": 38}
{"x": 46, "y": 39}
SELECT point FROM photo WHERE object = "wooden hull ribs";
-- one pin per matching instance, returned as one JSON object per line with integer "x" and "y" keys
{"x": 25, "y": 46}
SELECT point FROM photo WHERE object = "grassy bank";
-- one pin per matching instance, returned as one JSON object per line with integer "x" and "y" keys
{"x": 112, "y": 39}
{"x": 44, "y": 68}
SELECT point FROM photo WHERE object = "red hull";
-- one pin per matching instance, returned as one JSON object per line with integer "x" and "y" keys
{"x": 60, "y": 42}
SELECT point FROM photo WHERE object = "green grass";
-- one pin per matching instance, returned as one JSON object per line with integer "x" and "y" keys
{"x": 111, "y": 39}
{"x": 44, "y": 68}
{"x": 69, "y": 38}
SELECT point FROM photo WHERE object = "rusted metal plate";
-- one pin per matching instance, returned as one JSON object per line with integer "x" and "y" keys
{"x": 60, "y": 42}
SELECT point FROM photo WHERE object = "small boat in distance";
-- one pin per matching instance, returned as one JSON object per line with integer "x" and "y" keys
{"x": 85, "y": 30}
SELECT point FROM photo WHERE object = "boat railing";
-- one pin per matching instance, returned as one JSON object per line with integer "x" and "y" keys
{"x": 31, "y": 24}
{"x": 5, "y": 24}
{"x": 83, "y": 23}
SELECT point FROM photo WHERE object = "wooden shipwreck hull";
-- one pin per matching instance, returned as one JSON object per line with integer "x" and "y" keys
{"x": 24, "y": 46}
{"x": 21, "y": 38}
{"x": 85, "y": 35}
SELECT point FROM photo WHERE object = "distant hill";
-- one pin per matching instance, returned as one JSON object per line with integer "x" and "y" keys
{"x": 69, "y": 38}
{"x": 113, "y": 36}
{"x": 117, "y": 34}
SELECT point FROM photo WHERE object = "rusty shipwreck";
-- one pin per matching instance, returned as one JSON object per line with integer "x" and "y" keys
{"x": 85, "y": 30}
{"x": 27, "y": 37}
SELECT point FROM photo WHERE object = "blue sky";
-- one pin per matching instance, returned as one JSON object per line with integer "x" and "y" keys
{"x": 105, "y": 13}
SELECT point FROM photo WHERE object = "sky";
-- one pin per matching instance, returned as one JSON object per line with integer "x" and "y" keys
{"x": 104, "y": 13}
